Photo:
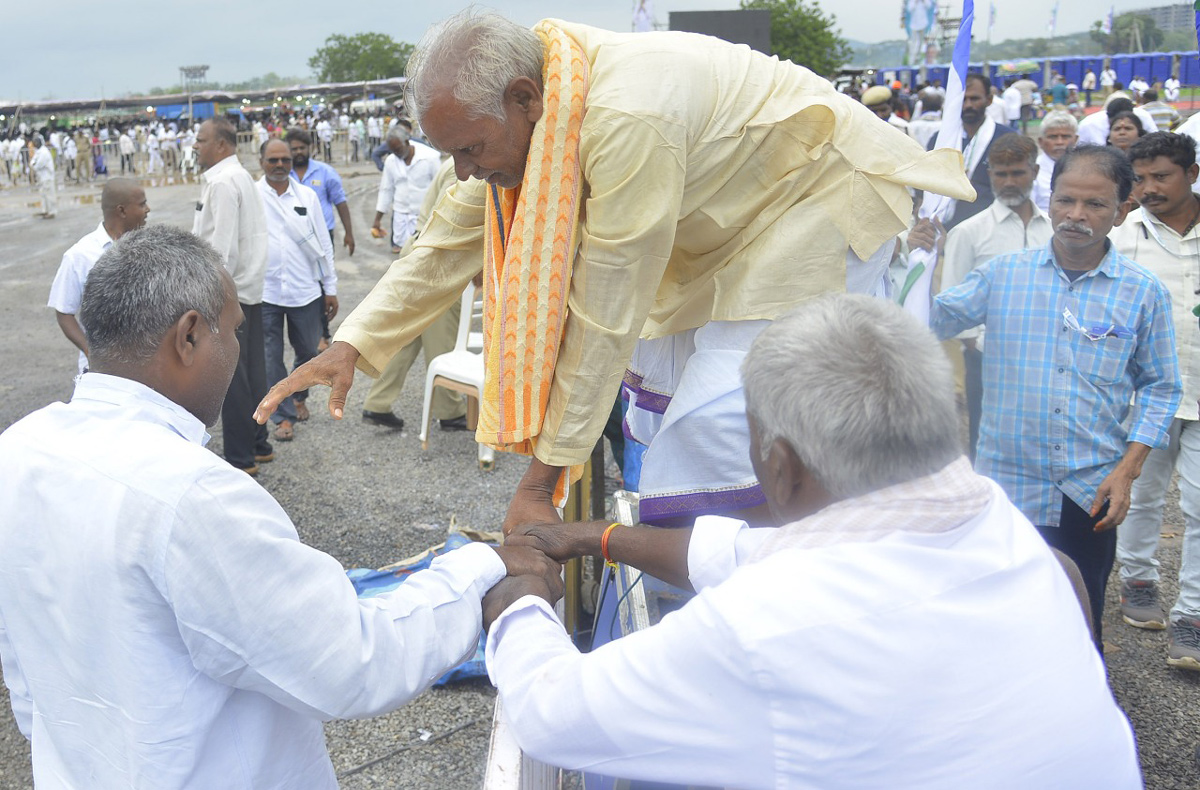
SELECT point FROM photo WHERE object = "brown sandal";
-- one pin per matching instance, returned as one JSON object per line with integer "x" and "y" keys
{"x": 284, "y": 432}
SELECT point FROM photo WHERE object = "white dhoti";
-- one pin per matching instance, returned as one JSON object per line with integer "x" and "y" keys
{"x": 49, "y": 194}
{"x": 687, "y": 405}
{"x": 403, "y": 226}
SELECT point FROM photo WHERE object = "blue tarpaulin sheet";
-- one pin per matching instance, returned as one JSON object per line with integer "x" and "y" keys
{"x": 368, "y": 583}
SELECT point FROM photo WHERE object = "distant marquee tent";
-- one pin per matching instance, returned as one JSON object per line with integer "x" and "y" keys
{"x": 206, "y": 103}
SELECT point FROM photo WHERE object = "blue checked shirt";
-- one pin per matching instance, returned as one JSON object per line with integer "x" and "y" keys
{"x": 1065, "y": 365}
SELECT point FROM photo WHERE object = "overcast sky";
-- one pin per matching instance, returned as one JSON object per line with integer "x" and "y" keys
{"x": 77, "y": 49}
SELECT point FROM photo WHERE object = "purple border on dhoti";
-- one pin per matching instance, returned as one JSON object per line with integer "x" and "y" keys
{"x": 699, "y": 503}
{"x": 647, "y": 400}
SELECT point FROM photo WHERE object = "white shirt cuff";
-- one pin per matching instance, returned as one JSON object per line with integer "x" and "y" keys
{"x": 481, "y": 559}
{"x": 529, "y": 608}
{"x": 712, "y": 551}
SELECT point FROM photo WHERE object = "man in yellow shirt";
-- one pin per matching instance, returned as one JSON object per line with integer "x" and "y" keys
{"x": 720, "y": 187}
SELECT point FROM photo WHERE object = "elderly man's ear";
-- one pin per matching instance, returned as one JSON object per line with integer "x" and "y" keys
{"x": 785, "y": 475}
{"x": 793, "y": 491}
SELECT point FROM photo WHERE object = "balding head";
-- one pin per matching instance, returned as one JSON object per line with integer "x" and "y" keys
{"x": 123, "y": 204}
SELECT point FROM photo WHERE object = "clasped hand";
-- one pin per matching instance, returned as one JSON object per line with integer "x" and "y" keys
{"x": 530, "y": 572}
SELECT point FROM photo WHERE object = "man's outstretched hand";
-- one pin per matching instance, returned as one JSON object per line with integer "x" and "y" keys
{"x": 333, "y": 367}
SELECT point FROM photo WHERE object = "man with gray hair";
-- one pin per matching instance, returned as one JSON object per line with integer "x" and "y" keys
{"x": 816, "y": 654}
{"x": 924, "y": 125}
{"x": 42, "y": 165}
{"x": 189, "y": 639}
{"x": 641, "y": 205}
{"x": 407, "y": 173}
{"x": 1060, "y": 132}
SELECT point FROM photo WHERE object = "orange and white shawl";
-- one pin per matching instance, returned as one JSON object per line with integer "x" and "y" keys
{"x": 531, "y": 237}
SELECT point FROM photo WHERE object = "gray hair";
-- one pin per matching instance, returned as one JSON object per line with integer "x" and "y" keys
{"x": 477, "y": 53}
{"x": 142, "y": 285}
{"x": 859, "y": 389}
{"x": 398, "y": 132}
{"x": 1060, "y": 119}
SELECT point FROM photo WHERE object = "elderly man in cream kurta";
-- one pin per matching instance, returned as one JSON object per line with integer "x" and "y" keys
{"x": 720, "y": 188}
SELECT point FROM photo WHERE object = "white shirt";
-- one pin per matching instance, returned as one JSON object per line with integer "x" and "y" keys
{"x": 402, "y": 187}
{"x": 1191, "y": 127}
{"x": 293, "y": 278}
{"x": 898, "y": 122}
{"x": 77, "y": 263}
{"x": 997, "y": 111}
{"x": 995, "y": 231}
{"x": 43, "y": 164}
{"x": 163, "y": 626}
{"x": 923, "y": 127}
{"x": 1041, "y": 186}
{"x": 1012, "y": 102}
{"x": 1108, "y": 78}
{"x": 374, "y": 128}
{"x": 125, "y": 143}
{"x": 869, "y": 664}
{"x": 229, "y": 216}
{"x": 1137, "y": 86}
{"x": 1171, "y": 89}
{"x": 1175, "y": 260}
{"x": 1093, "y": 129}
{"x": 324, "y": 131}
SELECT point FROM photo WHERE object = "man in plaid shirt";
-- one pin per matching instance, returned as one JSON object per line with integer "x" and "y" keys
{"x": 1080, "y": 375}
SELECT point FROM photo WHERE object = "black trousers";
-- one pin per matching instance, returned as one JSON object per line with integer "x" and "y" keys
{"x": 1094, "y": 552}
{"x": 243, "y": 437}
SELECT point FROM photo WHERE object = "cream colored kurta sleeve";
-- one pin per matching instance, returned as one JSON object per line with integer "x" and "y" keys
{"x": 420, "y": 286}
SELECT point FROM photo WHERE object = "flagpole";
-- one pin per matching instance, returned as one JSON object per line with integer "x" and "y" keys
{"x": 987, "y": 52}
{"x": 917, "y": 292}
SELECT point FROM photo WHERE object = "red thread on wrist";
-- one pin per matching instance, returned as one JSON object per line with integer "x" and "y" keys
{"x": 604, "y": 545}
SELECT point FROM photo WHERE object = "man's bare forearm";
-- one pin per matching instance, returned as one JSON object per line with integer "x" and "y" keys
{"x": 71, "y": 328}
{"x": 660, "y": 552}
{"x": 343, "y": 210}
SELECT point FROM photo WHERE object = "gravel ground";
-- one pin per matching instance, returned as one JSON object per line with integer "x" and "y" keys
{"x": 366, "y": 495}
{"x": 369, "y": 497}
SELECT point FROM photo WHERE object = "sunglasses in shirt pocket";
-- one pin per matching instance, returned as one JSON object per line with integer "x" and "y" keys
{"x": 1105, "y": 360}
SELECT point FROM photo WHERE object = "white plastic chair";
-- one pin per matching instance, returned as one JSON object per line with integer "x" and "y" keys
{"x": 461, "y": 370}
